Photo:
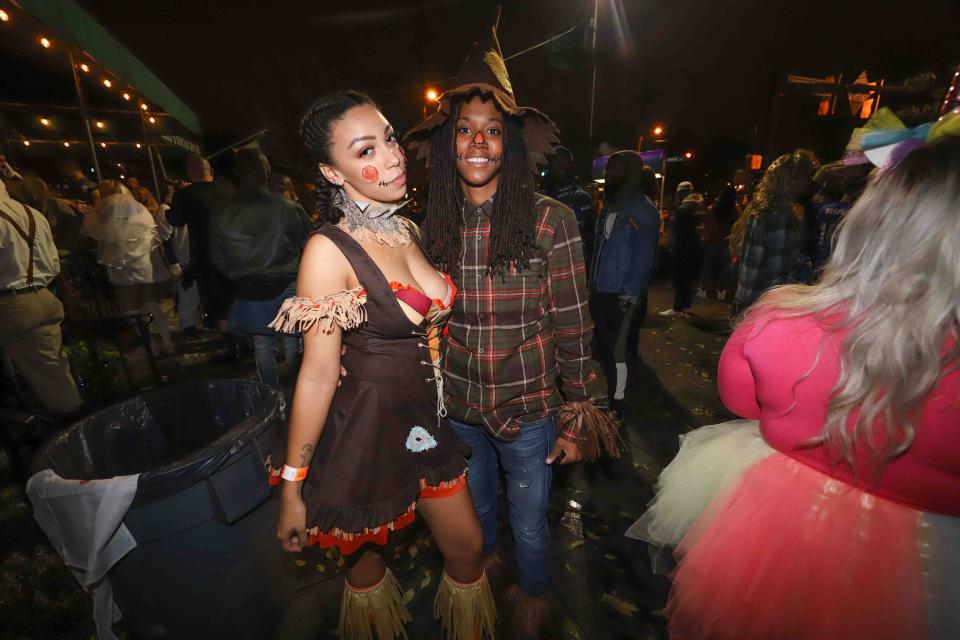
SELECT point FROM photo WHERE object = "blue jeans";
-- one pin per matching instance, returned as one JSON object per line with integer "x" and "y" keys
{"x": 265, "y": 353}
{"x": 528, "y": 492}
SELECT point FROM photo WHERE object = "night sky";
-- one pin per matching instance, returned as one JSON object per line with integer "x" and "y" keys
{"x": 705, "y": 69}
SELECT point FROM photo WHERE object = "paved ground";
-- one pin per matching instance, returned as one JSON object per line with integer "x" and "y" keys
{"x": 601, "y": 579}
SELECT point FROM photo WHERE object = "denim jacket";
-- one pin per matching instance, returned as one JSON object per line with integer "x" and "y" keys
{"x": 623, "y": 263}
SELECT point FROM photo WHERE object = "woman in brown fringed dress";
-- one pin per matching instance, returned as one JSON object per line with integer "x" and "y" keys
{"x": 369, "y": 443}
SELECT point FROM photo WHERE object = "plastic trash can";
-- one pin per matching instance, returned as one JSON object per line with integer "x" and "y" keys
{"x": 207, "y": 562}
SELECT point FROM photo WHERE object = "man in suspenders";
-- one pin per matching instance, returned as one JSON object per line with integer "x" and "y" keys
{"x": 30, "y": 315}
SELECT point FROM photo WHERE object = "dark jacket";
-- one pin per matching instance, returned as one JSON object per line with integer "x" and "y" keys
{"x": 256, "y": 239}
{"x": 623, "y": 263}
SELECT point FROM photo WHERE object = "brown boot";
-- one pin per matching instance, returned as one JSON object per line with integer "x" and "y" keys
{"x": 497, "y": 567}
{"x": 526, "y": 617}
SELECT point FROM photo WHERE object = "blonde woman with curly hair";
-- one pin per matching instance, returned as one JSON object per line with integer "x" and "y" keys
{"x": 832, "y": 510}
{"x": 768, "y": 237}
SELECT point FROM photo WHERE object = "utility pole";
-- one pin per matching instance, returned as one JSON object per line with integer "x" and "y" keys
{"x": 593, "y": 49}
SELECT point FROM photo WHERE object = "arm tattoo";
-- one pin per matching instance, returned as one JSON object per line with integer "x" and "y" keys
{"x": 306, "y": 453}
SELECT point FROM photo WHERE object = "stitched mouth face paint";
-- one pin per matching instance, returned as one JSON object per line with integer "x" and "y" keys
{"x": 370, "y": 173}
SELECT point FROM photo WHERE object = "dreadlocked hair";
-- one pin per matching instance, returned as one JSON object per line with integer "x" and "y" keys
{"x": 316, "y": 129}
{"x": 513, "y": 219}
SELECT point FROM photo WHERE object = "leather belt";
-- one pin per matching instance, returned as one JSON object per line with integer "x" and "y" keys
{"x": 19, "y": 292}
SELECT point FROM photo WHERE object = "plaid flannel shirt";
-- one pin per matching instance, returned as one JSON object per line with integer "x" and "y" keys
{"x": 771, "y": 244}
{"x": 511, "y": 337}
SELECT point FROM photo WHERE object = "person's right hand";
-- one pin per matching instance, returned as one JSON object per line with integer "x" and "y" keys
{"x": 292, "y": 524}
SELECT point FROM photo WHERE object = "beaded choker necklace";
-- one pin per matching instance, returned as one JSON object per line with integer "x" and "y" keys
{"x": 379, "y": 221}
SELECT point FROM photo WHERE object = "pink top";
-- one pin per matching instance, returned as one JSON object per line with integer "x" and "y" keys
{"x": 757, "y": 377}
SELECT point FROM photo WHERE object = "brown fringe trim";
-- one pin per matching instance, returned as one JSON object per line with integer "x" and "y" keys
{"x": 465, "y": 611}
{"x": 378, "y": 609}
{"x": 300, "y": 313}
{"x": 592, "y": 430}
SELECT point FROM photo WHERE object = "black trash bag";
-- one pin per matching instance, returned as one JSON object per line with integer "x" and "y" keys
{"x": 175, "y": 436}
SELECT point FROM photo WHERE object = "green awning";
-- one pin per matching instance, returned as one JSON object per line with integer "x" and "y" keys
{"x": 73, "y": 24}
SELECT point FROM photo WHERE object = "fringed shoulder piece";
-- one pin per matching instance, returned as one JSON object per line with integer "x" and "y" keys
{"x": 300, "y": 313}
{"x": 592, "y": 429}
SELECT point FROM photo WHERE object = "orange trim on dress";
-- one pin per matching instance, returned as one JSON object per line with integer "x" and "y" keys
{"x": 349, "y": 543}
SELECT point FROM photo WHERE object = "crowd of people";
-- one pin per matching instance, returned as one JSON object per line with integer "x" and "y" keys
{"x": 431, "y": 360}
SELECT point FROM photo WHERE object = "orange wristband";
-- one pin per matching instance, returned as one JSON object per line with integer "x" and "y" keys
{"x": 294, "y": 474}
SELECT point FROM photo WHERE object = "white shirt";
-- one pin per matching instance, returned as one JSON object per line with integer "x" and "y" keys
{"x": 14, "y": 252}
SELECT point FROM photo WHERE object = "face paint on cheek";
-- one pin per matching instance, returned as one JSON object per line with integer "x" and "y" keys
{"x": 370, "y": 173}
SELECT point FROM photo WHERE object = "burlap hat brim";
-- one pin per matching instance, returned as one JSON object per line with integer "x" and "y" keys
{"x": 539, "y": 132}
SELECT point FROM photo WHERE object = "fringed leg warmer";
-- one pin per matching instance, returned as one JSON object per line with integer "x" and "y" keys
{"x": 374, "y": 612}
{"x": 466, "y": 611}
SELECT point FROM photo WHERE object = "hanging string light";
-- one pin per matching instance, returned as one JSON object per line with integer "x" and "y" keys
{"x": 26, "y": 143}
{"x": 4, "y": 16}
{"x": 45, "y": 43}
{"x": 152, "y": 120}
{"x": 85, "y": 67}
{"x": 126, "y": 96}
{"x": 45, "y": 122}
{"x": 107, "y": 83}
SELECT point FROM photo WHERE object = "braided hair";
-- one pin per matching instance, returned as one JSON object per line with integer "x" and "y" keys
{"x": 316, "y": 129}
{"x": 513, "y": 219}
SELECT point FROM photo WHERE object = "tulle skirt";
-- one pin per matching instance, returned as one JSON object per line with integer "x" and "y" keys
{"x": 769, "y": 548}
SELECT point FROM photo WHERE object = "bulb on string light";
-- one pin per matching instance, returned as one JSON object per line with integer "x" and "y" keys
{"x": 107, "y": 83}
{"x": 85, "y": 67}
{"x": 152, "y": 120}
{"x": 126, "y": 96}
{"x": 45, "y": 43}
{"x": 66, "y": 144}
{"x": 26, "y": 143}
{"x": 103, "y": 145}
{"x": 4, "y": 16}
{"x": 143, "y": 105}
{"x": 139, "y": 146}
{"x": 100, "y": 124}
{"x": 44, "y": 122}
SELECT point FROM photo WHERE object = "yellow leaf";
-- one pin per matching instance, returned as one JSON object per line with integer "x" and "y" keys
{"x": 321, "y": 568}
{"x": 571, "y": 629}
{"x": 300, "y": 563}
{"x": 620, "y": 606}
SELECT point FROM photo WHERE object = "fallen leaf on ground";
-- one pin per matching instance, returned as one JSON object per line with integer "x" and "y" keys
{"x": 619, "y": 605}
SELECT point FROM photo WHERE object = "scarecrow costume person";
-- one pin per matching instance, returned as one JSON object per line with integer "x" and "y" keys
{"x": 386, "y": 446}
{"x": 521, "y": 321}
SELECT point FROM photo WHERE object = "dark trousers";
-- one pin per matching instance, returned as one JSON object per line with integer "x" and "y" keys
{"x": 716, "y": 268}
{"x": 612, "y": 319}
{"x": 633, "y": 334}
{"x": 682, "y": 291}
